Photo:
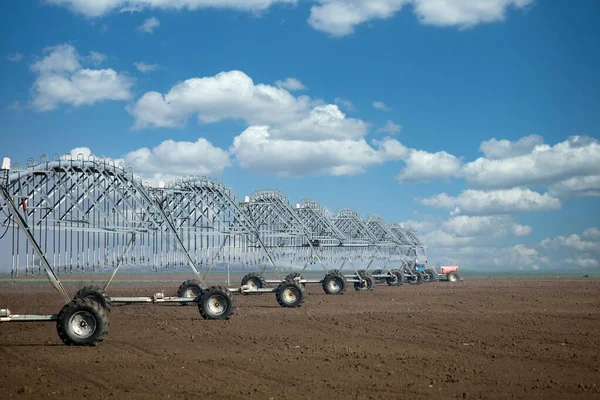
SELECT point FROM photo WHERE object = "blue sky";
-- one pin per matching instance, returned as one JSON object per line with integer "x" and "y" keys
{"x": 381, "y": 105}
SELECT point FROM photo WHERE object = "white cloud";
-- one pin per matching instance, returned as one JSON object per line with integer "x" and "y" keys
{"x": 464, "y": 13}
{"x": 478, "y": 243}
{"x": 580, "y": 186}
{"x": 578, "y": 156}
{"x": 230, "y": 94}
{"x": 98, "y": 8}
{"x": 574, "y": 250}
{"x": 573, "y": 241}
{"x": 60, "y": 78}
{"x": 345, "y": 104}
{"x": 16, "y": 57}
{"x": 592, "y": 233}
{"x": 584, "y": 262}
{"x": 149, "y": 25}
{"x": 78, "y": 153}
{"x": 288, "y": 134}
{"x": 323, "y": 122}
{"x": 340, "y": 17}
{"x": 473, "y": 226}
{"x": 96, "y": 58}
{"x": 257, "y": 150}
{"x": 442, "y": 239}
{"x": 291, "y": 84}
{"x": 422, "y": 166}
{"x": 380, "y": 105}
{"x": 500, "y": 149}
{"x": 143, "y": 67}
{"x": 170, "y": 160}
{"x": 477, "y": 202}
{"x": 390, "y": 127}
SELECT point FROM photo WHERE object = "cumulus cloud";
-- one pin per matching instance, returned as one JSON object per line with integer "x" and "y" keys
{"x": 287, "y": 134}
{"x": 96, "y": 58}
{"x": 149, "y": 25}
{"x": 390, "y": 127}
{"x": 584, "y": 262}
{"x": 143, "y": 67}
{"x": 573, "y": 249}
{"x": 345, "y": 104}
{"x": 98, "y": 8}
{"x": 477, "y": 202}
{"x": 60, "y": 78}
{"x": 473, "y": 226}
{"x": 340, "y": 17}
{"x": 257, "y": 150}
{"x": 578, "y": 156}
{"x": 380, "y": 105}
{"x": 580, "y": 186}
{"x": 291, "y": 84}
{"x": 499, "y": 149}
{"x": 170, "y": 160}
{"x": 16, "y": 57}
{"x": 230, "y": 94}
{"x": 422, "y": 166}
{"x": 592, "y": 233}
{"x": 573, "y": 241}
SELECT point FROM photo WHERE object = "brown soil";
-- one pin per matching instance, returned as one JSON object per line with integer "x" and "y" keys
{"x": 485, "y": 338}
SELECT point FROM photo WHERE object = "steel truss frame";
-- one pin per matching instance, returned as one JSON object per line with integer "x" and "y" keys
{"x": 78, "y": 215}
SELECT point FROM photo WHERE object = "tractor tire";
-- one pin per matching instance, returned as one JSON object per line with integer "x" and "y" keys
{"x": 396, "y": 278}
{"x": 292, "y": 276}
{"x": 379, "y": 272}
{"x": 416, "y": 279}
{"x": 189, "y": 288}
{"x": 454, "y": 277}
{"x": 254, "y": 280}
{"x": 366, "y": 284}
{"x": 82, "y": 322}
{"x": 216, "y": 303}
{"x": 95, "y": 293}
{"x": 290, "y": 294}
{"x": 432, "y": 275}
{"x": 334, "y": 282}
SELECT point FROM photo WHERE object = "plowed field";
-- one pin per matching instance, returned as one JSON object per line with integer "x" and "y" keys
{"x": 484, "y": 338}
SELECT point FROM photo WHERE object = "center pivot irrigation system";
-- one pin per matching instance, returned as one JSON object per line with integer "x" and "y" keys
{"x": 91, "y": 215}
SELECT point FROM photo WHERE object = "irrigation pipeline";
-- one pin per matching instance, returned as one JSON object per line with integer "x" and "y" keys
{"x": 84, "y": 215}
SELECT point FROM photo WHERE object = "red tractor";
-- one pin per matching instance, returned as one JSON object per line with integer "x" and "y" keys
{"x": 450, "y": 274}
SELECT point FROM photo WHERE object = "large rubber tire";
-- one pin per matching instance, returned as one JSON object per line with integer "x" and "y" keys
{"x": 454, "y": 277}
{"x": 334, "y": 282}
{"x": 292, "y": 276}
{"x": 416, "y": 279}
{"x": 396, "y": 279}
{"x": 82, "y": 322}
{"x": 255, "y": 280}
{"x": 216, "y": 303}
{"x": 190, "y": 288}
{"x": 426, "y": 277}
{"x": 95, "y": 293}
{"x": 379, "y": 272}
{"x": 367, "y": 283}
{"x": 432, "y": 275}
{"x": 290, "y": 294}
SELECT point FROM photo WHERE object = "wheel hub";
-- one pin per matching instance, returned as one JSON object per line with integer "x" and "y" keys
{"x": 290, "y": 295}
{"x": 334, "y": 285}
{"x": 217, "y": 304}
{"x": 191, "y": 292}
{"x": 82, "y": 324}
